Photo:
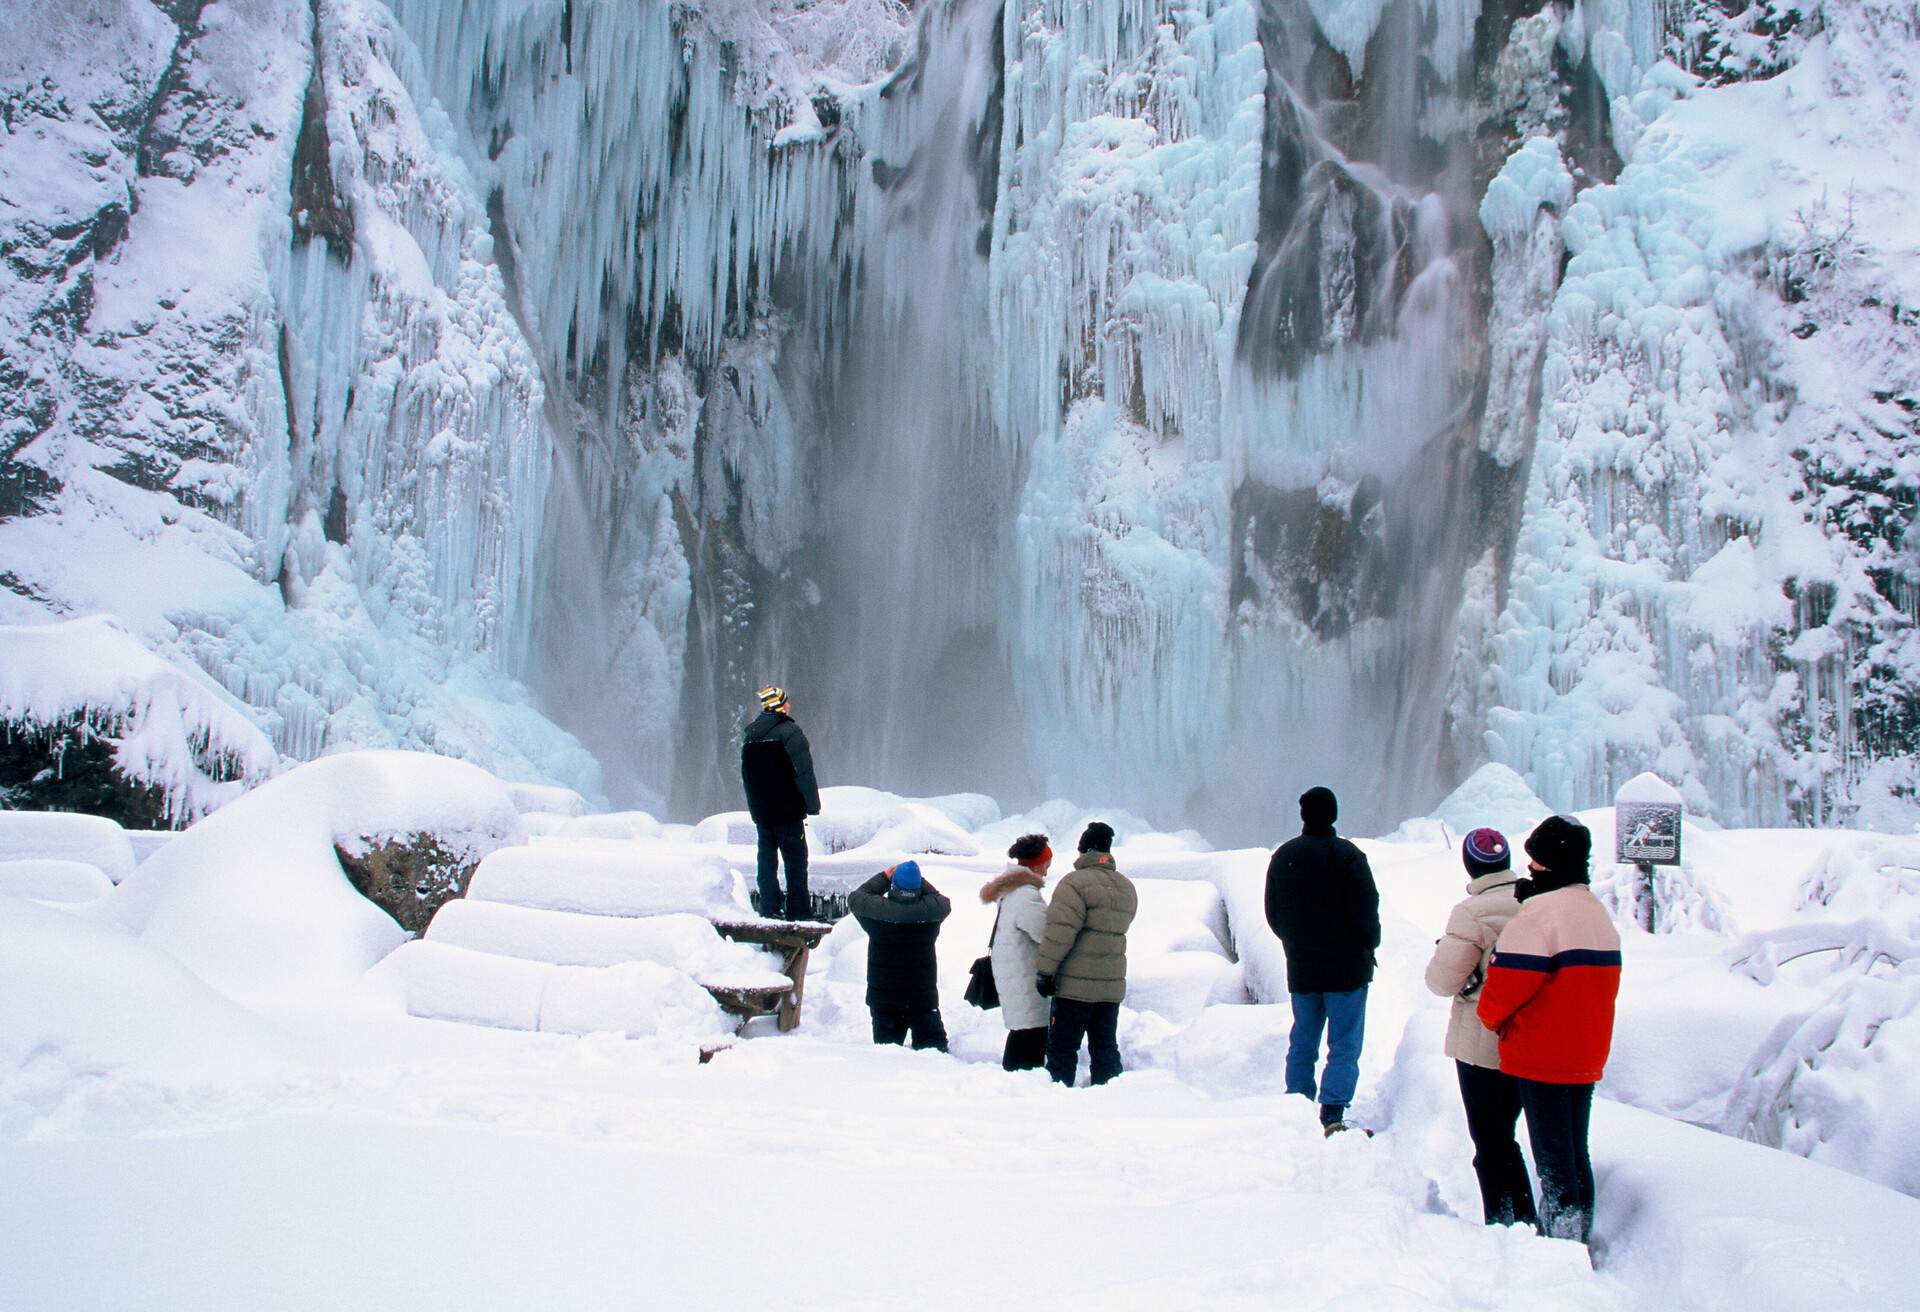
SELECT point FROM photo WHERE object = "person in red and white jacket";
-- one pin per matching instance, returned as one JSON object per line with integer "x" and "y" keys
{"x": 1549, "y": 995}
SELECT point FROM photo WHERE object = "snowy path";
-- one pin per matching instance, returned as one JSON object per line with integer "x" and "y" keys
{"x": 789, "y": 1173}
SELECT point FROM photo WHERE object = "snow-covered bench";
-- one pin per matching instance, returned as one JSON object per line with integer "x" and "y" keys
{"x": 589, "y": 936}
{"x": 794, "y": 940}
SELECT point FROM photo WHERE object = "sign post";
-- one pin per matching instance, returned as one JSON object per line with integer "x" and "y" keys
{"x": 1646, "y": 832}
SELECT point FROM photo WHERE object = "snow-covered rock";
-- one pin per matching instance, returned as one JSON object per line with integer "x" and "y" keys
{"x": 171, "y": 729}
{"x": 252, "y": 899}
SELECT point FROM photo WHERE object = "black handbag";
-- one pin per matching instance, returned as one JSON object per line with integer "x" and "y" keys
{"x": 982, "y": 992}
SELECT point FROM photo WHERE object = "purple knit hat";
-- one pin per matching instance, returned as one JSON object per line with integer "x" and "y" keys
{"x": 1485, "y": 851}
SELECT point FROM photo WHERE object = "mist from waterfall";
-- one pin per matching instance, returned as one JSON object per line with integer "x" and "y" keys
{"x": 907, "y": 541}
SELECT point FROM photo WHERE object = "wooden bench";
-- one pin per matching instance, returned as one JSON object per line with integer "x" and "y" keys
{"x": 794, "y": 940}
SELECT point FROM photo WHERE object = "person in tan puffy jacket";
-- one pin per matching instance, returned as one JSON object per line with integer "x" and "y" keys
{"x": 1083, "y": 960}
{"x": 1458, "y": 968}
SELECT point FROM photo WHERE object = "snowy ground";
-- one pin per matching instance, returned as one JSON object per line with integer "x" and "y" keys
{"x": 289, "y": 1144}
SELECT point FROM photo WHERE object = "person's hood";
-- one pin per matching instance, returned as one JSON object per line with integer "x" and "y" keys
{"x": 1492, "y": 879}
{"x": 1013, "y": 877}
{"x": 764, "y": 723}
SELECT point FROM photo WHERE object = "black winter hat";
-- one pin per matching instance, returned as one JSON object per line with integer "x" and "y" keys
{"x": 1561, "y": 844}
{"x": 1097, "y": 837}
{"x": 1318, "y": 806}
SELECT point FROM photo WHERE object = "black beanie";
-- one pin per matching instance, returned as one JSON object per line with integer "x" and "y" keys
{"x": 1561, "y": 844}
{"x": 1319, "y": 807}
{"x": 1097, "y": 837}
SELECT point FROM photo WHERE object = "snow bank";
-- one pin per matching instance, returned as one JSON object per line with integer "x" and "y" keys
{"x": 1178, "y": 916}
{"x": 1180, "y": 986}
{"x": 1704, "y": 1221}
{"x": 1494, "y": 796}
{"x": 617, "y": 825}
{"x": 44, "y": 880}
{"x": 252, "y": 898}
{"x": 1262, "y": 959}
{"x": 82, "y": 1004}
{"x": 546, "y": 799}
{"x": 1231, "y": 1049}
{"x": 59, "y": 836}
{"x": 172, "y": 728}
{"x": 1837, "y": 1082}
{"x": 1062, "y": 821}
{"x": 853, "y": 818}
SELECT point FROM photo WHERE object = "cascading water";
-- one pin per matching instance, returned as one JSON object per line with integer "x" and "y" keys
{"x": 908, "y": 538}
{"x": 1353, "y": 416}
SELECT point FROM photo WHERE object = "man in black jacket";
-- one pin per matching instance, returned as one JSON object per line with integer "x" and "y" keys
{"x": 776, "y": 770}
{"x": 901, "y": 913}
{"x": 1322, "y": 903}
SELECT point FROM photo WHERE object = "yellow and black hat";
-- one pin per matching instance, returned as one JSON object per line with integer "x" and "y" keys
{"x": 772, "y": 697}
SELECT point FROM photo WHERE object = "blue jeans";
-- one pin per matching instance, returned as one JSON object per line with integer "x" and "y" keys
{"x": 1344, "y": 1018}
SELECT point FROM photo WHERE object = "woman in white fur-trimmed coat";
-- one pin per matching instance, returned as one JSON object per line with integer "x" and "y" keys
{"x": 1018, "y": 929}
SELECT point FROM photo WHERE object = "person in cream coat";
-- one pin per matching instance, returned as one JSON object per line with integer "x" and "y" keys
{"x": 1018, "y": 928}
{"x": 1458, "y": 969}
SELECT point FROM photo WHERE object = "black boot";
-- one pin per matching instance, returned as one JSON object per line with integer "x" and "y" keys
{"x": 1332, "y": 1118}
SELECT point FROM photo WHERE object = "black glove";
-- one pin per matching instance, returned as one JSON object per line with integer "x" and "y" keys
{"x": 1043, "y": 985}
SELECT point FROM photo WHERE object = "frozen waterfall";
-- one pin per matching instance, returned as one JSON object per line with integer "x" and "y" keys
{"x": 1167, "y": 404}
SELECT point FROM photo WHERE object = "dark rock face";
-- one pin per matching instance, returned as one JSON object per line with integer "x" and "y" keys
{"x": 408, "y": 878}
{"x": 65, "y": 768}
{"x": 320, "y": 212}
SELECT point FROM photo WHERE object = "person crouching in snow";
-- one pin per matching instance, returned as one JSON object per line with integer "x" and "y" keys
{"x": 1082, "y": 964}
{"x": 901, "y": 913}
{"x": 1018, "y": 928}
{"x": 1458, "y": 969}
{"x": 1549, "y": 995}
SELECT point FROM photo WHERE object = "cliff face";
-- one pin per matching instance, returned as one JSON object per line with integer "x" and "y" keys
{"x": 265, "y": 401}
{"x": 1178, "y": 406}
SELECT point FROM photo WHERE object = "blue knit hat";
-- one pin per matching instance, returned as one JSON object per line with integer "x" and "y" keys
{"x": 1485, "y": 851}
{"x": 906, "y": 876}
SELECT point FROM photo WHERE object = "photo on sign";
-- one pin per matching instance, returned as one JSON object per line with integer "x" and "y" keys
{"x": 1647, "y": 832}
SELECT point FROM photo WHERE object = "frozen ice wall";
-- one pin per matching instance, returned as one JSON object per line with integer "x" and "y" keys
{"x": 278, "y": 418}
{"x": 1180, "y": 404}
{"x": 1709, "y": 579}
{"x": 1170, "y": 403}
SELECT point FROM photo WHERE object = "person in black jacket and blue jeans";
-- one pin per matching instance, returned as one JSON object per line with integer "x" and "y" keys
{"x": 776, "y": 771}
{"x": 901, "y": 913}
{"x": 1322, "y": 903}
